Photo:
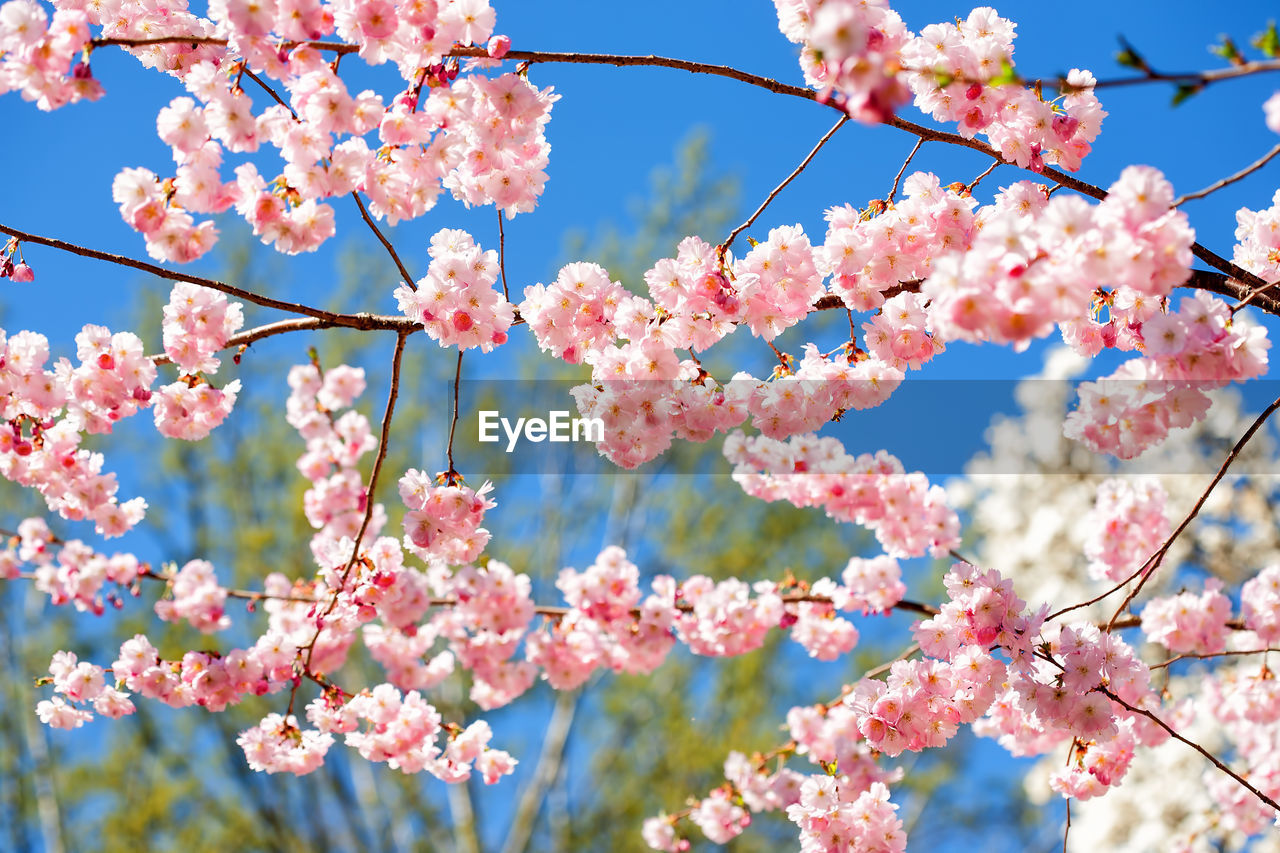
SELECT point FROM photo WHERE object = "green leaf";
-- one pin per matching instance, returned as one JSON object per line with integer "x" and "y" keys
{"x": 1007, "y": 75}
{"x": 1130, "y": 58}
{"x": 1227, "y": 50}
{"x": 1268, "y": 41}
{"x": 1186, "y": 90}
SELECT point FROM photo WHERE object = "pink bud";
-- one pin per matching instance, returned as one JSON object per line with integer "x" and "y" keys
{"x": 105, "y": 361}
{"x": 973, "y": 92}
{"x": 23, "y": 274}
{"x": 498, "y": 46}
{"x": 462, "y": 321}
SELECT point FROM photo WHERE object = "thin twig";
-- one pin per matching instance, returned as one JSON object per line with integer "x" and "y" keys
{"x": 1153, "y": 561}
{"x": 1197, "y": 747}
{"x": 1230, "y": 179}
{"x": 502, "y": 256}
{"x": 1229, "y": 653}
{"x": 452, "y": 474}
{"x": 1067, "y": 831}
{"x": 363, "y": 322}
{"x": 391, "y": 250}
{"x": 1149, "y": 568}
{"x": 780, "y": 187}
{"x": 973, "y": 185}
{"x": 905, "y": 163}
{"x": 173, "y": 275}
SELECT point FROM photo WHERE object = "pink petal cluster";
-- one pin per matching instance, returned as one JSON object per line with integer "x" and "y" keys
{"x": 720, "y": 819}
{"x": 171, "y": 232}
{"x": 191, "y": 409}
{"x": 336, "y": 501}
{"x": 197, "y": 324}
{"x": 961, "y": 72}
{"x": 832, "y": 816}
{"x": 41, "y": 450}
{"x": 867, "y": 255}
{"x": 909, "y": 516}
{"x": 1257, "y": 234}
{"x": 1260, "y": 605}
{"x": 1038, "y": 261}
{"x": 456, "y": 300}
{"x": 113, "y": 380}
{"x": 485, "y": 627}
{"x": 1128, "y": 524}
{"x": 80, "y": 686}
{"x": 1188, "y": 623}
{"x": 197, "y": 598}
{"x": 778, "y": 281}
{"x": 1198, "y": 348}
{"x": 69, "y": 572}
{"x": 38, "y": 55}
{"x": 851, "y": 52}
{"x": 443, "y": 522}
{"x": 574, "y": 313}
{"x": 496, "y": 142}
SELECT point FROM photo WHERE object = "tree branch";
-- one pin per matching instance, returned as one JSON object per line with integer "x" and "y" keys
{"x": 724, "y": 247}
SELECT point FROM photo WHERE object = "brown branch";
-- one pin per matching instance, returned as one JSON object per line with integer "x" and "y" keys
{"x": 1230, "y": 179}
{"x": 174, "y": 275}
{"x": 1197, "y": 747}
{"x": 1198, "y": 79}
{"x": 780, "y": 187}
{"x": 385, "y": 242}
{"x": 452, "y": 475}
{"x": 502, "y": 256}
{"x": 1230, "y": 653}
{"x": 364, "y": 322}
{"x": 905, "y": 163}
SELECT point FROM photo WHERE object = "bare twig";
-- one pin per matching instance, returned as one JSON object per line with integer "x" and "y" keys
{"x": 391, "y": 250}
{"x": 1230, "y": 179}
{"x": 1149, "y": 566}
{"x": 173, "y": 275}
{"x": 502, "y": 256}
{"x": 780, "y": 187}
{"x": 905, "y": 163}
{"x": 1153, "y": 563}
{"x": 452, "y": 474}
{"x": 1197, "y": 747}
{"x": 1230, "y": 653}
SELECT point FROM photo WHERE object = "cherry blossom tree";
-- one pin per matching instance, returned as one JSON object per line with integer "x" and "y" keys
{"x": 1083, "y": 669}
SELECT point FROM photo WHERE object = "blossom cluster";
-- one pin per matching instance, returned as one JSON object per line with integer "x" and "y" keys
{"x": 851, "y": 52}
{"x": 68, "y": 572}
{"x": 456, "y": 301}
{"x": 40, "y": 56}
{"x": 963, "y": 72}
{"x": 1127, "y": 525}
{"x": 336, "y": 502}
{"x": 1199, "y": 347}
{"x": 908, "y": 515}
{"x": 1039, "y": 261}
{"x": 46, "y": 414}
{"x": 1257, "y": 246}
